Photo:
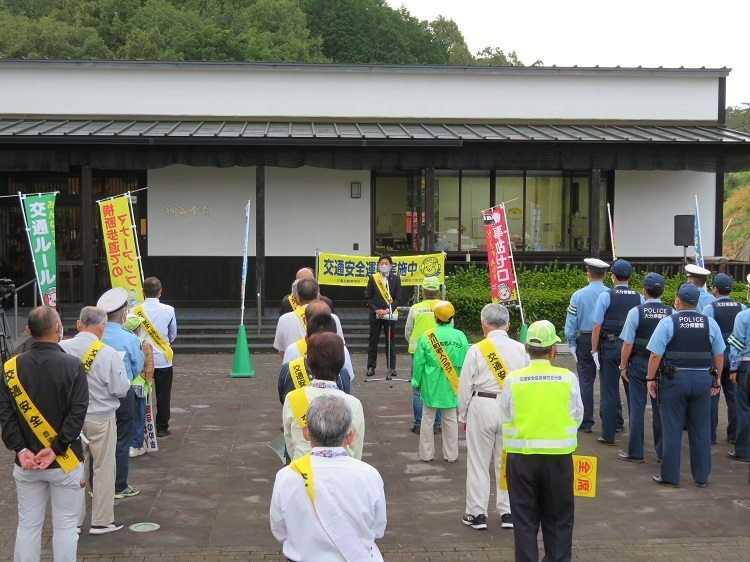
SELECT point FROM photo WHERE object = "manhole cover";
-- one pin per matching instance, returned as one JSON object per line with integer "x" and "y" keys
{"x": 200, "y": 406}
{"x": 144, "y": 527}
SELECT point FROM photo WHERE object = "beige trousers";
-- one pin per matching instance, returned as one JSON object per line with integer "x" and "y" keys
{"x": 450, "y": 434}
{"x": 100, "y": 453}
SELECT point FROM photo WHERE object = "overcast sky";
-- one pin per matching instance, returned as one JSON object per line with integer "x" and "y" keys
{"x": 651, "y": 33}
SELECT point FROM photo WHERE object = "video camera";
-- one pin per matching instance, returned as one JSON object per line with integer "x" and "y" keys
{"x": 7, "y": 287}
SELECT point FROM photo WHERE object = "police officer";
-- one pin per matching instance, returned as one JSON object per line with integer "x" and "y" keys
{"x": 724, "y": 310}
{"x": 639, "y": 326}
{"x": 609, "y": 317}
{"x": 739, "y": 365}
{"x": 698, "y": 276}
{"x": 690, "y": 344}
{"x": 578, "y": 326}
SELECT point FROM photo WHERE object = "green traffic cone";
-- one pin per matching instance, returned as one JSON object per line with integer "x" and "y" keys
{"x": 524, "y": 333}
{"x": 242, "y": 367}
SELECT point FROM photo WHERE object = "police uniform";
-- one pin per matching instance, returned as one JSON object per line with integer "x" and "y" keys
{"x": 739, "y": 363}
{"x": 578, "y": 326}
{"x": 610, "y": 312}
{"x": 639, "y": 327}
{"x": 687, "y": 341}
{"x": 705, "y": 298}
{"x": 724, "y": 310}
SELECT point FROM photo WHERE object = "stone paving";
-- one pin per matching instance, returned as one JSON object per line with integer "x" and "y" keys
{"x": 209, "y": 486}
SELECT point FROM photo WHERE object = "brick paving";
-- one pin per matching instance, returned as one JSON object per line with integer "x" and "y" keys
{"x": 209, "y": 486}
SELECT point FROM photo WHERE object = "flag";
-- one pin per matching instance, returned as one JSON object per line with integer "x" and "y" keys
{"x": 500, "y": 257}
{"x": 39, "y": 214}
{"x": 697, "y": 237}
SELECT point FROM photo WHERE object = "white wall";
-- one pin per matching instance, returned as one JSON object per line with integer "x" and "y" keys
{"x": 645, "y": 205}
{"x": 372, "y": 93}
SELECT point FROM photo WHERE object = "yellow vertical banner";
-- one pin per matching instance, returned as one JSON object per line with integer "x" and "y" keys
{"x": 122, "y": 251}
{"x": 584, "y": 476}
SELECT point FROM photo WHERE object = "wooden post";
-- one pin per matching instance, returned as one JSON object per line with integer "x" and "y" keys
{"x": 260, "y": 234}
{"x": 595, "y": 215}
{"x": 87, "y": 237}
{"x": 429, "y": 209}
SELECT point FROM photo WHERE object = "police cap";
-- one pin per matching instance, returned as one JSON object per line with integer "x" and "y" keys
{"x": 622, "y": 268}
{"x": 113, "y": 300}
{"x": 696, "y": 271}
{"x": 653, "y": 281}
{"x": 723, "y": 282}
{"x": 688, "y": 293}
{"x": 596, "y": 263}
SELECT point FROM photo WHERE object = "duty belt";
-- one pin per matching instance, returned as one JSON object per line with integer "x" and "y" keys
{"x": 484, "y": 394}
{"x": 609, "y": 337}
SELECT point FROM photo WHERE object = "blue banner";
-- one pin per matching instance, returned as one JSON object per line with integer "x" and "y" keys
{"x": 697, "y": 237}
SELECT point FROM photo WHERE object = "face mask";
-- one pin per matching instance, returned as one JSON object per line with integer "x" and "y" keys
{"x": 451, "y": 322}
{"x": 385, "y": 269}
{"x": 60, "y": 334}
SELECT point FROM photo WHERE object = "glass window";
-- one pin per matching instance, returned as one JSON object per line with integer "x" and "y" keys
{"x": 546, "y": 211}
{"x": 604, "y": 240}
{"x": 509, "y": 190}
{"x": 578, "y": 234}
{"x": 391, "y": 206}
{"x": 447, "y": 224}
{"x": 475, "y": 198}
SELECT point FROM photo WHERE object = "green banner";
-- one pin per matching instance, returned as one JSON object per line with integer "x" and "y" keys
{"x": 39, "y": 211}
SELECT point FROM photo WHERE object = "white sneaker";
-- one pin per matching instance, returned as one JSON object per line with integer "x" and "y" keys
{"x": 137, "y": 452}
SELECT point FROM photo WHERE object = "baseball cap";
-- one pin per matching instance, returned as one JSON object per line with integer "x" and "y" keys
{"x": 542, "y": 334}
{"x": 692, "y": 269}
{"x": 431, "y": 283}
{"x": 722, "y": 281}
{"x": 688, "y": 293}
{"x": 654, "y": 281}
{"x": 443, "y": 310}
{"x": 622, "y": 268}
{"x": 132, "y": 322}
{"x": 113, "y": 300}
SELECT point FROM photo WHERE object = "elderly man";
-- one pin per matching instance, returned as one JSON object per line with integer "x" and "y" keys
{"x": 437, "y": 366}
{"x": 327, "y": 505}
{"x": 108, "y": 382}
{"x": 325, "y": 358}
{"x": 289, "y": 302}
{"x": 482, "y": 377}
{"x": 43, "y": 402}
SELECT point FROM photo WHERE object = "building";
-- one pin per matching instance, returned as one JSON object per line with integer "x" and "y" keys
{"x": 355, "y": 160}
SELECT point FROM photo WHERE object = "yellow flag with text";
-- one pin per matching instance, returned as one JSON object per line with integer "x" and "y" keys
{"x": 122, "y": 252}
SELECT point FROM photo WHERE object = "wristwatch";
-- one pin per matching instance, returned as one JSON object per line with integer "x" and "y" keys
{"x": 624, "y": 368}
{"x": 650, "y": 380}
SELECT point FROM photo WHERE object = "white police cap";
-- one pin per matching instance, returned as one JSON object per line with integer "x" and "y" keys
{"x": 597, "y": 263}
{"x": 692, "y": 269}
{"x": 113, "y": 300}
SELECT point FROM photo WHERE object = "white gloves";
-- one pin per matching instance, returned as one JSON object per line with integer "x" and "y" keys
{"x": 573, "y": 351}
{"x": 595, "y": 355}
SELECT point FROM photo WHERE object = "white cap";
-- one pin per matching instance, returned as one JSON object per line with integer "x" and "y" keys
{"x": 595, "y": 262}
{"x": 748, "y": 278}
{"x": 692, "y": 269}
{"x": 113, "y": 300}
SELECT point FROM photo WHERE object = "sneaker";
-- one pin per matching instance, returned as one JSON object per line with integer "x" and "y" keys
{"x": 437, "y": 429}
{"x": 507, "y": 521}
{"x": 163, "y": 432}
{"x": 78, "y": 530}
{"x": 477, "y": 522}
{"x": 392, "y": 373}
{"x": 103, "y": 529}
{"x": 370, "y": 372}
{"x": 128, "y": 492}
{"x": 415, "y": 429}
{"x": 137, "y": 451}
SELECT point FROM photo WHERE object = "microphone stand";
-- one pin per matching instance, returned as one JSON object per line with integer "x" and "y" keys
{"x": 388, "y": 343}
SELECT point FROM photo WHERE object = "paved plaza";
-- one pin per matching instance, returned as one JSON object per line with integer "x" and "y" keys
{"x": 209, "y": 486}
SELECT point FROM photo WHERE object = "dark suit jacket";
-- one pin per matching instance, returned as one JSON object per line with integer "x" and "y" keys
{"x": 286, "y": 307}
{"x": 375, "y": 300}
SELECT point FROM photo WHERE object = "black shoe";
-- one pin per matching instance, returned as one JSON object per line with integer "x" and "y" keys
{"x": 661, "y": 482}
{"x": 735, "y": 456}
{"x": 584, "y": 429}
{"x": 713, "y": 441}
{"x": 730, "y": 440}
{"x": 104, "y": 529}
{"x": 619, "y": 430}
{"x": 628, "y": 458}
{"x": 370, "y": 372}
{"x": 507, "y": 521}
{"x": 701, "y": 484}
{"x": 392, "y": 373}
{"x": 437, "y": 429}
{"x": 415, "y": 429}
{"x": 478, "y": 522}
{"x": 163, "y": 432}
{"x": 603, "y": 441}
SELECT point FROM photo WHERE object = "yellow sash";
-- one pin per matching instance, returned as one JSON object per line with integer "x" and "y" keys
{"x": 298, "y": 373}
{"x": 88, "y": 359}
{"x": 303, "y": 467}
{"x": 300, "y": 312}
{"x": 299, "y": 404}
{"x": 381, "y": 287}
{"x": 153, "y": 333}
{"x": 443, "y": 359}
{"x": 39, "y": 425}
{"x": 302, "y": 346}
{"x": 494, "y": 361}
{"x": 292, "y": 302}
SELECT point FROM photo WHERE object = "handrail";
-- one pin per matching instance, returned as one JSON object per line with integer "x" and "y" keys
{"x": 15, "y": 305}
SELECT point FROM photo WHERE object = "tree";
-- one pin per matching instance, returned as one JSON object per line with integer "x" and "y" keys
{"x": 738, "y": 118}
{"x": 450, "y": 39}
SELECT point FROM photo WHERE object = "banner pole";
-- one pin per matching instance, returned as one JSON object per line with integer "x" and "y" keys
{"x": 135, "y": 237}
{"x": 244, "y": 264}
{"x": 242, "y": 367}
{"x": 612, "y": 232}
{"x": 513, "y": 263}
{"x": 21, "y": 197}
{"x": 699, "y": 250}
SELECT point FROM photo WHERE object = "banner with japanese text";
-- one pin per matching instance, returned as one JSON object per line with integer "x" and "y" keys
{"x": 119, "y": 242}
{"x": 39, "y": 211}
{"x": 499, "y": 257}
{"x": 343, "y": 270}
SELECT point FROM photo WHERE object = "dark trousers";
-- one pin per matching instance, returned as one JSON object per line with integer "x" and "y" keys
{"x": 638, "y": 392}
{"x": 163, "y": 381}
{"x": 586, "y": 377}
{"x": 376, "y": 326}
{"x": 541, "y": 492}
{"x": 610, "y": 407}
{"x": 124, "y": 416}
{"x": 727, "y": 388}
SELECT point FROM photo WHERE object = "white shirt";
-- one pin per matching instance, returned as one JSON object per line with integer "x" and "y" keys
{"x": 289, "y": 329}
{"x": 476, "y": 374}
{"x": 356, "y": 486}
{"x": 292, "y": 353}
{"x": 162, "y": 318}
{"x": 297, "y": 445}
{"x": 107, "y": 378}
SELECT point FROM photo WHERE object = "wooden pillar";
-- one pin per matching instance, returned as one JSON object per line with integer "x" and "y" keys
{"x": 429, "y": 209}
{"x": 595, "y": 220}
{"x": 260, "y": 234}
{"x": 87, "y": 237}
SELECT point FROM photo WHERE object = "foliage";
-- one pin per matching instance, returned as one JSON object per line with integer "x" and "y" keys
{"x": 737, "y": 211}
{"x": 738, "y": 117}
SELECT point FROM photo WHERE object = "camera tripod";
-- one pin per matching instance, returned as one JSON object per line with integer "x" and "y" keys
{"x": 6, "y": 339}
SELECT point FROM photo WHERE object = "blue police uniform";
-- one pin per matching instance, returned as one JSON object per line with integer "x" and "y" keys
{"x": 578, "y": 325}
{"x": 610, "y": 312}
{"x": 739, "y": 361}
{"x": 688, "y": 341}
{"x": 639, "y": 327}
{"x": 704, "y": 299}
{"x": 724, "y": 310}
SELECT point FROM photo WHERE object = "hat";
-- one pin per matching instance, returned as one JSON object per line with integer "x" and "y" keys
{"x": 722, "y": 281}
{"x": 132, "y": 322}
{"x": 113, "y": 300}
{"x": 443, "y": 310}
{"x": 653, "y": 281}
{"x": 542, "y": 334}
{"x": 692, "y": 269}
{"x": 597, "y": 263}
{"x": 688, "y": 293}
{"x": 622, "y": 268}
{"x": 431, "y": 283}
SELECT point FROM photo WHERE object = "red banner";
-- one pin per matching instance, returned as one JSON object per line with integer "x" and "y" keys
{"x": 500, "y": 257}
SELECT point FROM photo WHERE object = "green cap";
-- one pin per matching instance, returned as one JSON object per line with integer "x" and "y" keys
{"x": 431, "y": 283}
{"x": 132, "y": 322}
{"x": 542, "y": 334}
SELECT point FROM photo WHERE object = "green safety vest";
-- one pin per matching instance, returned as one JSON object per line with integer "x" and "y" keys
{"x": 541, "y": 421}
{"x": 424, "y": 319}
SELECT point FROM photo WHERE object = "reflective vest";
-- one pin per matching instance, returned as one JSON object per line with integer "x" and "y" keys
{"x": 649, "y": 315}
{"x": 725, "y": 311}
{"x": 424, "y": 319}
{"x": 541, "y": 421}
{"x": 621, "y": 300}
{"x": 690, "y": 346}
